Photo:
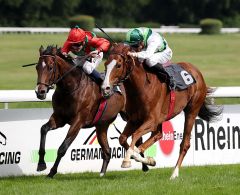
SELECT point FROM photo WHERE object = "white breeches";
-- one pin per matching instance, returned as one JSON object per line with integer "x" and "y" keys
{"x": 88, "y": 67}
{"x": 160, "y": 57}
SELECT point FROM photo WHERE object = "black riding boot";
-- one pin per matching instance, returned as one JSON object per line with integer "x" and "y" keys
{"x": 161, "y": 72}
{"x": 96, "y": 76}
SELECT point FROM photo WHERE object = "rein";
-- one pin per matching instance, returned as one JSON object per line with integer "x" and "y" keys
{"x": 55, "y": 80}
{"x": 71, "y": 69}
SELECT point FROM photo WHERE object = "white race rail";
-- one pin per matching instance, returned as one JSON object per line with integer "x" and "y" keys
{"x": 7, "y": 96}
{"x": 226, "y": 92}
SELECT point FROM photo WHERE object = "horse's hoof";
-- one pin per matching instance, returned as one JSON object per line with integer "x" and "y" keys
{"x": 151, "y": 161}
{"x": 41, "y": 167}
{"x": 126, "y": 164}
{"x": 145, "y": 168}
{"x": 175, "y": 174}
{"x": 102, "y": 174}
{"x": 51, "y": 174}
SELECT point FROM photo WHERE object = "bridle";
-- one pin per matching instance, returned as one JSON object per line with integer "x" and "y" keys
{"x": 56, "y": 79}
{"x": 128, "y": 68}
{"x": 53, "y": 81}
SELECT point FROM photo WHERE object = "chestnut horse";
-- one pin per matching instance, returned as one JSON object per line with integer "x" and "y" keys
{"x": 75, "y": 102}
{"x": 148, "y": 101}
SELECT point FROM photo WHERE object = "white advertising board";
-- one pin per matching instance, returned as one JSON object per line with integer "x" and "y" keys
{"x": 211, "y": 143}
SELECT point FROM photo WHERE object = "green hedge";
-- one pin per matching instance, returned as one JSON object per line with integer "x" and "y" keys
{"x": 83, "y": 21}
{"x": 210, "y": 26}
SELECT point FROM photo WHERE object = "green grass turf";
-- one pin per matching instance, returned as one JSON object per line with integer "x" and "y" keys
{"x": 217, "y": 57}
{"x": 193, "y": 180}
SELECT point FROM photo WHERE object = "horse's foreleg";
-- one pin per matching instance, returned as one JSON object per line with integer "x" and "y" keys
{"x": 50, "y": 125}
{"x": 185, "y": 144}
{"x": 128, "y": 130}
{"x": 155, "y": 136}
{"x": 142, "y": 130}
{"x": 71, "y": 135}
{"x": 103, "y": 141}
{"x": 144, "y": 166}
{"x": 41, "y": 162}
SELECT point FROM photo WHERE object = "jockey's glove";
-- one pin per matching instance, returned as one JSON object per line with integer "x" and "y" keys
{"x": 133, "y": 54}
{"x": 64, "y": 54}
{"x": 71, "y": 55}
{"x": 94, "y": 53}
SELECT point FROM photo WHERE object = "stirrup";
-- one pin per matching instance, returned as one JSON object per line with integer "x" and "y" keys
{"x": 117, "y": 88}
{"x": 172, "y": 84}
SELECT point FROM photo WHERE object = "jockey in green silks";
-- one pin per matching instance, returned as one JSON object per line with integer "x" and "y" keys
{"x": 152, "y": 48}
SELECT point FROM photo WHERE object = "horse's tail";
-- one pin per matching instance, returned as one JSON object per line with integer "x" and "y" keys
{"x": 210, "y": 111}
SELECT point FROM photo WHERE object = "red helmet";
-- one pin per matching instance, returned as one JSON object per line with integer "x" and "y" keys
{"x": 76, "y": 35}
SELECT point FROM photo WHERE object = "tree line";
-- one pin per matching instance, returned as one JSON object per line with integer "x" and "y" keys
{"x": 118, "y": 13}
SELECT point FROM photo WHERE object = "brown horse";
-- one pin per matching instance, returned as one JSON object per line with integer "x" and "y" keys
{"x": 148, "y": 101}
{"x": 75, "y": 102}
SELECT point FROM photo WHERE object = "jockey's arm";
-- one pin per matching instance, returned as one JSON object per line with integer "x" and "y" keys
{"x": 101, "y": 44}
{"x": 153, "y": 44}
{"x": 147, "y": 53}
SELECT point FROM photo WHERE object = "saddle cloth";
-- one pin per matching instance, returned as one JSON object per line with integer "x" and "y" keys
{"x": 182, "y": 78}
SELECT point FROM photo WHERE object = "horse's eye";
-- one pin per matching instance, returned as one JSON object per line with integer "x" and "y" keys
{"x": 50, "y": 68}
{"x": 118, "y": 66}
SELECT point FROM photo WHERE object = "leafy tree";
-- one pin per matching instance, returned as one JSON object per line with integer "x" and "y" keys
{"x": 114, "y": 13}
{"x": 117, "y": 13}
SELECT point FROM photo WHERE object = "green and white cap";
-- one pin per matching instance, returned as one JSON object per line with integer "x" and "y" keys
{"x": 137, "y": 35}
{"x": 134, "y": 37}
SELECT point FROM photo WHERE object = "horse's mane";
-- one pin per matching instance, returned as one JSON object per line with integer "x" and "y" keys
{"x": 50, "y": 50}
{"x": 122, "y": 48}
{"x": 55, "y": 50}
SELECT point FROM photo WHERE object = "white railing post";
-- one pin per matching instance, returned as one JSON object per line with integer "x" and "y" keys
{"x": 5, "y": 105}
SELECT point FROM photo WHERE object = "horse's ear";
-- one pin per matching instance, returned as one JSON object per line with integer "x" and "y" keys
{"x": 126, "y": 50}
{"x": 54, "y": 50}
{"x": 41, "y": 49}
{"x": 112, "y": 46}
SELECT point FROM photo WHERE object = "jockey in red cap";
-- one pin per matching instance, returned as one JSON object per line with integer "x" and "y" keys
{"x": 80, "y": 42}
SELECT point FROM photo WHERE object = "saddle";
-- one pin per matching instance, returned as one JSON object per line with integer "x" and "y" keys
{"x": 181, "y": 77}
{"x": 173, "y": 74}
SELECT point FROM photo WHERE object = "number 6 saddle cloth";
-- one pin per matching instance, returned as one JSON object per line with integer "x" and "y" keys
{"x": 182, "y": 78}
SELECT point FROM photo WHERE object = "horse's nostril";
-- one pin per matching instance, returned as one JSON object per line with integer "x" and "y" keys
{"x": 107, "y": 88}
{"x": 42, "y": 91}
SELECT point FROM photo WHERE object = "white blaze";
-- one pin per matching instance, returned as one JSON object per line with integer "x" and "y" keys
{"x": 36, "y": 88}
{"x": 110, "y": 66}
{"x": 43, "y": 64}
